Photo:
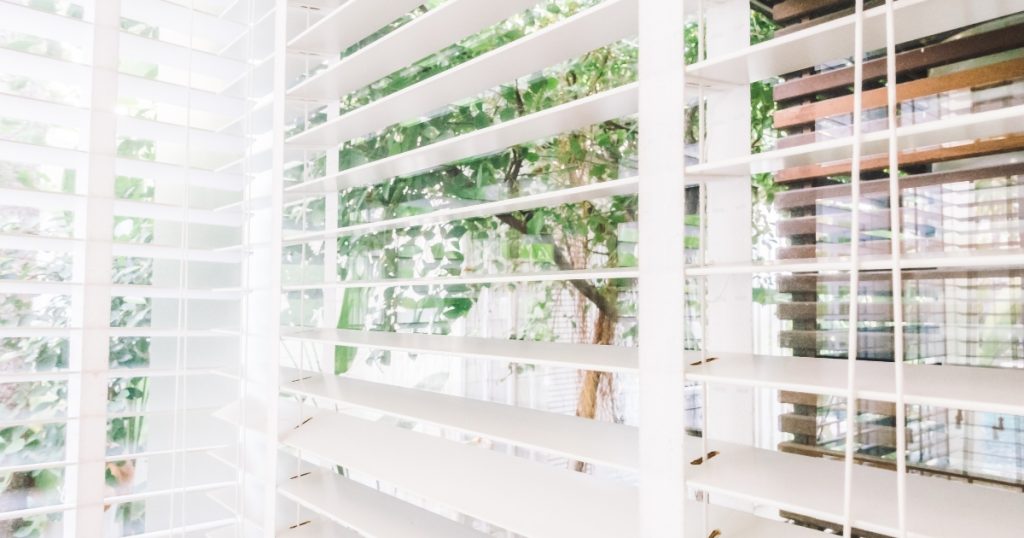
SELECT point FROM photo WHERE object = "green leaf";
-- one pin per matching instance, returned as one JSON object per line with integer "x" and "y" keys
{"x": 535, "y": 224}
{"x": 46, "y": 479}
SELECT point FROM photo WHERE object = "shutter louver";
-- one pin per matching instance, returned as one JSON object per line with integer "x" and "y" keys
{"x": 121, "y": 274}
{"x": 313, "y": 268}
{"x": 390, "y": 344}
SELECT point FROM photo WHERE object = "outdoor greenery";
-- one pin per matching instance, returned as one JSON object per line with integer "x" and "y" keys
{"x": 596, "y": 233}
{"x": 41, "y": 405}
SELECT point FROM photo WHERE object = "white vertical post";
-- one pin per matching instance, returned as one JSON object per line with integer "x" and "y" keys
{"x": 896, "y": 229}
{"x": 730, "y": 409}
{"x": 332, "y": 302}
{"x": 853, "y": 314}
{"x": 661, "y": 286}
{"x": 87, "y": 395}
{"x": 276, "y": 196}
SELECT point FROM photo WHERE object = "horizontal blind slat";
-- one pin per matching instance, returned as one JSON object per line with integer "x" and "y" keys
{"x": 615, "y": 187}
{"x": 812, "y": 486}
{"x": 421, "y": 37}
{"x": 539, "y": 276}
{"x": 368, "y": 512}
{"x": 581, "y": 356}
{"x": 349, "y": 23}
{"x": 607, "y": 105}
{"x": 973, "y": 388}
{"x": 597, "y": 26}
{"x": 604, "y": 443}
{"x": 831, "y": 40}
{"x": 516, "y": 494}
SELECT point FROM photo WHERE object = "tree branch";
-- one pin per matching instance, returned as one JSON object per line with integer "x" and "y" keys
{"x": 587, "y": 289}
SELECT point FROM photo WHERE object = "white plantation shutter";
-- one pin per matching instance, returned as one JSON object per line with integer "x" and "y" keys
{"x": 858, "y": 497}
{"x": 122, "y": 264}
{"x": 388, "y": 450}
{"x": 514, "y": 488}
{"x": 350, "y": 268}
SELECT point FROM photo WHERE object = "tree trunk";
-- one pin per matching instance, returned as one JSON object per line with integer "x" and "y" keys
{"x": 586, "y": 405}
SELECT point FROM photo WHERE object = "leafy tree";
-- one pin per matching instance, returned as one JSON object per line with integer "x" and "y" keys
{"x": 571, "y": 236}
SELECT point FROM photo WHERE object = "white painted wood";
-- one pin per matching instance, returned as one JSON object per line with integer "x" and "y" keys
{"x": 580, "y": 113}
{"x": 368, "y": 512}
{"x": 581, "y": 356}
{"x": 605, "y": 23}
{"x": 965, "y": 128}
{"x": 158, "y": 292}
{"x": 539, "y": 276}
{"x": 593, "y": 441}
{"x": 319, "y": 529}
{"x": 146, "y": 50}
{"x": 263, "y": 410}
{"x": 833, "y": 40}
{"x": 90, "y": 308}
{"x": 996, "y": 390}
{"x": 121, "y": 207}
{"x": 348, "y": 23}
{"x": 937, "y": 508}
{"x": 525, "y": 497}
{"x": 615, "y": 187}
{"x": 342, "y": 500}
{"x": 37, "y": 154}
{"x": 662, "y": 302}
{"x": 37, "y": 22}
{"x": 532, "y": 499}
{"x": 957, "y": 387}
{"x": 429, "y": 33}
{"x": 951, "y": 260}
{"x": 728, "y": 324}
{"x": 316, "y": 529}
{"x": 184, "y": 20}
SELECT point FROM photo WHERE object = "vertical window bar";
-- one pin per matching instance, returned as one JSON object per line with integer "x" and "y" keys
{"x": 87, "y": 445}
{"x": 896, "y": 242}
{"x": 662, "y": 492}
{"x": 851, "y": 394}
{"x": 273, "y": 380}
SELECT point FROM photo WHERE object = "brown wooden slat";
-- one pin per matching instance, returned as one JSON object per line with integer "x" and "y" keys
{"x": 877, "y": 247}
{"x": 840, "y": 311}
{"x": 798, "y": 424}
{"x": 919, "y": 58}
{"x": 811, "y": 281}
{"x": 818, "y": 400}
{"x": 810, "y": 196}
{"x": 797, "y": 26}
{"x": 972, "y": 78}
{"x": 814, "y": 224}
{"x": 809, "y": 137}
{"x": 792, "y": 9}
{"x": 924, "y": 313}
{"x": 963, "y": 150}
{"x": 884, "y": 463}
{"x": 872, "y": 345}
{"x": 799, "y": 283}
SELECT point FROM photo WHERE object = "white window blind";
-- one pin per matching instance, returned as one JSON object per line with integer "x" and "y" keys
{"x": 430, "y": 188}
{"x": 122, "y": 177}
{"x": 362, "y": 268}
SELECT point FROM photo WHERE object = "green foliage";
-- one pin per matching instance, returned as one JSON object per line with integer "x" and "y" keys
{"x": 45, "y": 442}
{"x": 538, "y": 239}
